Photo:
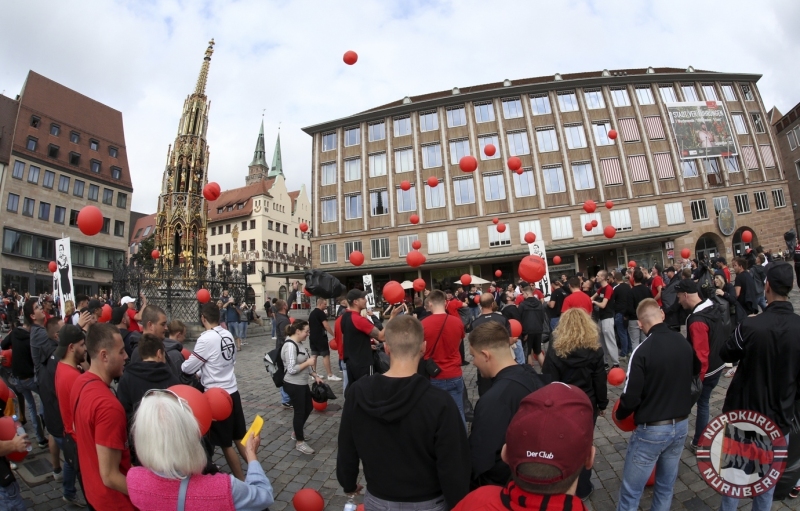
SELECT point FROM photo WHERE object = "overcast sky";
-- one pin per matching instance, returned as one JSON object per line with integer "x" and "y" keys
{"x": 142, "y": 57}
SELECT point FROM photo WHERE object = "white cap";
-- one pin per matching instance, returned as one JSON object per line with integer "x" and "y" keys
{"x": 126, "y": 300}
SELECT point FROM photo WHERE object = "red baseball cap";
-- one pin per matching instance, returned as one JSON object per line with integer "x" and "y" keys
{"x": 553, "y": 426}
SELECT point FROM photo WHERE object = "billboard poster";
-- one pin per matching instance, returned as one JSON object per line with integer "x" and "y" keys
{"x": 701, "y": 129}
{"x": 62, "y": 279}
{"x": 537, "y": 248}
{"x": 367, "y": 281}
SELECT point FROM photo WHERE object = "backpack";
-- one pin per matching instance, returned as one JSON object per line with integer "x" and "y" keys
{"x": 323, "y": 284}
{"x": 724, "y": 309}
{"x": 757, "y": 272}
{"x": 273, "y": 362}
{"x": 706, "y": 286}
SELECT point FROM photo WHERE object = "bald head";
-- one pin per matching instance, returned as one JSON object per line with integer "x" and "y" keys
{"x": 487, "y": 301}
{"x": 649, "y": 314}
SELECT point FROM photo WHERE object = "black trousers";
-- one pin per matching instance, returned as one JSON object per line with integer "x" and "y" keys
{"x": 301, "y": 403}
{"x": 797, "y": 271}
{"x": 355, "y": 372}
{"x": 584, "y": 480}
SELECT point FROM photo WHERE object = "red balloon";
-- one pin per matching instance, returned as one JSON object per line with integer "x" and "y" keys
{"x": 557, "y": 260}
{"x": 360, "y": 507}
{"x": 489, "y": 149}
{"x": 531, "y": 269}
{"x": 416, "y": 244}
{"x": 589, "y": 206}
{"x": 308, "y": 500}
{"x": 320, "y": 407}
{"x": 307, "y": 292}
{"x": 415, "y": 259}
{"x": 303, "y": 227}
{"x": 477, "y": 299}
{"x": 616, "y": 376}
{"x": 414, "y": 219}
{"x": 356, "y": 258}
{"x": 468, "y": 163}
{"x": 514, "y": 163}
{"x": 587, "y": 226}
{"x": 609, "y": 204}
{"x": 105, "y": 316}
{"x": 350, "y": 57}
{"x": 3, "y": 387}
{"x": 594, "y": 223}
{"x": 631, "y": 264}
{"x": 90, "y": 220}
{"x": 220, "y": 402}
{"x": 516, "y": 327}
{"x": 519, "y": 171}
{"x": 393, "y": 292}
{"x": 186, "y": 353}
{"x": 652, "y": 479}
{"x": 498, "y": 273}
{"x": 52, "y": 266}
{"x": 433, "y": 181}
{"x": 405, "y": 186}
{"x": 466, "y": 279}
{"x": 419, "y": 285}
{"x": 685, "y": 253}
{"x": 211, "y": 191}
{"x": 530, "y": 237}
{"x": 747, "y": 236}
{"x": 198, "y": 404}
{"x": 501, "y": 227}
{"x": 610, "y": 231}
{"x": 495, "y": 220}
{"x": 8, "y": 430}
{"x": 203, "y": 295}
{"x": 612, "y": 134}
{"x": 333, "y": 345}
{"x": 291, "y": 320}
{"x": 625, "y": 425}
{"x": 155, "y": 254}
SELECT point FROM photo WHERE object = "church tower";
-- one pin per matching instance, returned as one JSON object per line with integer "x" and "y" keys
{"x": 259, "y": 169}
{"x": 182, "y": 217}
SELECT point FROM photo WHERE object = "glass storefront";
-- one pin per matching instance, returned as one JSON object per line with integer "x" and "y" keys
{"x": 644, "y": 255}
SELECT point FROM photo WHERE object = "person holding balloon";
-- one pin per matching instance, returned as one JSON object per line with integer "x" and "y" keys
{"x": 10, "y": 495}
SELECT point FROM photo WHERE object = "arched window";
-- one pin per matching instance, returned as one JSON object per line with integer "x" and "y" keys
{"x": 706, "y": 247}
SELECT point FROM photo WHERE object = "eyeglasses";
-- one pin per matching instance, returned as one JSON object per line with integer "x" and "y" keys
{"x": 184, "y": 404}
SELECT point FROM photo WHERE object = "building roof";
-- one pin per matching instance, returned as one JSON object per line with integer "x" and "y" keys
{"x": 277, "y": 160}
{"x": 786, "y": 121}
{"x": 146, "y": 224}
{"x": 258, "y": 154}
{"x": 8, "y": 120}
{"x": 235, "y": 197}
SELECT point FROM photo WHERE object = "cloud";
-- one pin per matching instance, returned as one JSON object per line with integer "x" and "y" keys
{"x": 142, "y": 58}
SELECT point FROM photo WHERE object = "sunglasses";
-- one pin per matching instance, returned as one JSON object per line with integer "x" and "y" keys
{"x": 184, "y": 404}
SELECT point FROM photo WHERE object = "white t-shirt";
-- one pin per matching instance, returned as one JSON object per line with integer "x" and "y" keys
{"x": 214, "y": 356}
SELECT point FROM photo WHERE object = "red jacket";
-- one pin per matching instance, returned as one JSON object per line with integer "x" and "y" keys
{"x": 497, "y": 498}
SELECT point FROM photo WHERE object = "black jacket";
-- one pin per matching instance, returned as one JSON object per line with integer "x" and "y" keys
{"x": 670, "y": 304}
{"x": 19, "y": 340}
{"x": 660, "y": 373}
{"x": 583, "y": 368}
{"x": 493, "y": 414}
{"x": 532, "y": 313}
{"x": 47, "y": 392}
{"x": 173, "y": 353}
{"x": 706, "y": 335}
{"x": 767, "y": 348}
{"x": 638, "y": 293}
{"x": 622, "y": 298}
{"x": 138, "y": 378}
{"x": 415, "y": 425}
{"x": 511, "y": 311}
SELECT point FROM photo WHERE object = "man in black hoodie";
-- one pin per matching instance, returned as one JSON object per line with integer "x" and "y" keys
{"x": 152, "y": 372}
{"x": 532, "y": 314}
{"x": 400, "y": 416}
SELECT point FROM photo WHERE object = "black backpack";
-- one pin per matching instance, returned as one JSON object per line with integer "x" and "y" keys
{"x": 274, "y": 363}
{"x": 323, "y": 284}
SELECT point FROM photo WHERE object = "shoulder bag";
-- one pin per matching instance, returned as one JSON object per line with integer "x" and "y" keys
{"x": 427, "y": 367}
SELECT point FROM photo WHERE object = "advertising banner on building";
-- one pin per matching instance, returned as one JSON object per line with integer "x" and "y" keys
{"x": 367, "y": 281}
{"x": 701, "y": 129}
{"x": 537, "y": 248}
{"x": 62, "y": 279}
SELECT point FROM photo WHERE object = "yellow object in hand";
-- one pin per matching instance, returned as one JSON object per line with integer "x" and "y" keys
{"x": 255, "y": 428}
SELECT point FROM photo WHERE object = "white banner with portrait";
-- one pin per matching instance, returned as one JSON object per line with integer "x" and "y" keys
{"x": 62, "y": 279}
{"x": 537, "y": 248}
{"x": 367, "y": 281}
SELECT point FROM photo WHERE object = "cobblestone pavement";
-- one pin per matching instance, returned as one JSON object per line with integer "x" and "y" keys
{"x": 289, "y": 470}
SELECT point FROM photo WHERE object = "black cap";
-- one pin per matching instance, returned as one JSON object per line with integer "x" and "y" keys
{"x": 69, "y": 334}
{"x": 94, "y": 305}
{"x": 118, "y": 313}
{"x": 355, "y": 294}
{"x": 780, "y": 277}
{"x": 686, "y": 286}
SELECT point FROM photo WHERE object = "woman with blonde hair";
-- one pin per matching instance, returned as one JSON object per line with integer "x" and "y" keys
{"x": 167, "y": 440}
{"x": 575, "y": 357}
{"x": 69, "y": 310}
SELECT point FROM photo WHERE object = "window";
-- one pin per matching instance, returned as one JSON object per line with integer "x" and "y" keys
{"x": 77, "y": 189}
{"x": 352, "y": 169}
{"x": 612, "y": 174}
{"x": 727, "y": 91}
{"x": 437, "y": 243}
{"x": 269, "y": 226}
{"x": 74, "y": 159}
{"x": 710, "y": 92}
{"x": 377, "y": 131}
{"x": 113, "y": 151}
{"x": 328, "y": 210}
{"x": 601, "y": 130}
{"x": 406, "y": 200}
{"x": 352, "y": 136}
{"x": 213, "y": 250}
{"x": 352, "y": 207}
{"x": 431, "y": 156}
{"x": 674, "y": 212}
{"x": 588, "y": 218}
{"x": 19, "y": 170}
{"x": 582, "y": 173}
{"x": 52, "y": 151}
{"x": 402, "y": 126}
{"x": 629, "y": 129}
{"x": 540, "y": 104}
{"x": 94, "y": 192}
{"x": 377, "y": 164}
{"x": 116, "y": 172}
{"x": 594, "y": 99}
{"x": 63, "y": 184}
{"x": 499, "y": 239}
{"x": 75, "y": 137}
{"x": 655, "y": 130}
{"x": 699, "y": 211}
{"x": 149, "y": 227}
{"x": 213, "y": 232}
{"x": 739, "y": 124}
{"x": 742, "y": 203}
{"x": 464, "y": 191}
{"x": 648, "y": 217}
{"x": 380, "y": 248}
{"x": 252, "y": 224}
{"x": 329, "y": 141}
{"x": 747, "y": 93}
{"x": 483, "y": 142}
{"x": 553, "y": 179}
{"x": 645, "y": 95}
{"x": 758, "y": 122}
{"x": 546, "y": 138}
{"x": 119, "y": 228}
{"x": 576, "y": 138}
{"x": 35, "y": 121}
{"x": 33, "y": 174}
{"x": 761, "y": 201}
{"x": 428, "y": 121}
{"x": 484, "y": 112}
{"x": 468, "y": 239}
{"x": 379, "y": 202}
{"x": 328, "y": 173}
{"x": 689, "y": 92}
{"x": 403, "y": 160}
{"x": 434, "y": 197}
{"x": 667, "y": 93}
{"x": 122, "y": 200}
{"x": 94, "y": 145}
{"x": 227, "y": 228}
{"x": 106, "y": 225}
{"x": 28, "y": 206}
{"x": 327, "y": 253}
{"x": 31, "y": 144}
{"x": 689, "y": 168}
{"x": 517, "y": 144}
{"x": 404, "y": 244}
{"x": 567, "y": 102}
{"x": 778, "y": 199}
{"x": 720, "y": 203}
{"x": 711, "y": 166}
{"x": 60, "y": 214}
{"x": 621, "y": 219}
{"x": 620, "y": 97}
{"x": 524, "y": 184}
{"x": 352, "y": 246}
{"x": 460, "y": 148}
{"x": 95, "y": 166}
{"x": 456, "y": 117}
{"x": 108, "y": 196}
{"x": 512, "y": 108}
{"x": 244, "y": 245}
{"x": 792, "y": 140}
{"x": 49, "y": 179}
{"x": 732, "y": 163}
{"x": 493, "y": 187}
{"x": 12, "y": 204}
{"x": 533, "y": 226}
{"x": 561, "y": 228}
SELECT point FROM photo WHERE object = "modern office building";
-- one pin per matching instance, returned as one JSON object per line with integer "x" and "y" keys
{"x": 787, "y": 134}
{"x": 667, "y": 193}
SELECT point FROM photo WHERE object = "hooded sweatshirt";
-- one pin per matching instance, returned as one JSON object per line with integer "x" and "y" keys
{"x": 172, "y": 352}
{"x": 19, "y": 340}
{"x": 583, "y": 368}
{"x": 409, "y": 437}
{"x": 138, "y": 378}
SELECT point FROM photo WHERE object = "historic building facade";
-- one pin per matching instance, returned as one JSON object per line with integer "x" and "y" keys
{"x": 559, "y": 127}
{"x": 787, "y": 133}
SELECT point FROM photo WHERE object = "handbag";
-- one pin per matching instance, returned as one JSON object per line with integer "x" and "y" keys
{"x": 697, "y": 389}
{"x": 427, "y": 365}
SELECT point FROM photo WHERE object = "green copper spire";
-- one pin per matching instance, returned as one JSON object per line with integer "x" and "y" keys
{"x": 277, "y": 161}
{"x": 258, "y": 155}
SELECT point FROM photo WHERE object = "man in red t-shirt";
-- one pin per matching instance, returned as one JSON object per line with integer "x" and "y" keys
{"x": 100, "y": 425}
{"x": 656, "y": 283}
{"x": 358, "y": 332}
{"x": 443, "y": 336}
{"x": 453, "y": 304}
{"x": 576, "y": 298}
{"x": 133, "y": 316}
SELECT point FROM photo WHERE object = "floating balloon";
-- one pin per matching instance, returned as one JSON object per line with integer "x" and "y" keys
{"x": 90, "y": 220}
{"x": 8, "y": 430}
{"x": 393, "y": 292}
{"x": 557, "y": 260}
{"x": 531, "y": 269}
{"x": 320, "y": 407}
{"x": 612, "y": 134}
{"x": 616, "y": 376}
{"x": 211, "y": 191}
{"x": 303, "y": 227}
{"x": 610, "y": 231}
{"x": 530, "y": 237}
{"x": 197, "y": 403}
{"x": 186, "y": 353}
{"x": 52, "y": 266}
{"x": 414, "y": 219}
{"x": 587, "y": 226}
{"x": 203, "y": 295}
{"x": 501, "y": 227}
{"x": 495, "y": 220}
{"x": 514, "y": 163}
{"x": 405, "y": 186}
{"x": 333, "y": 345}
{"x": 356, "y": 258}
{"x": 308, "y": 500}
{"x": 466, "y": 279}
{"x": 747, "y": 236}
{"x": 155, "y": 254}
{"x": 416, "y": 244}
{"x": 519, "y": 171}
{"x": 433, "y": 181}
{"x": 220, "y": 402}
{"x": 489, "y": 149}
{"x": 594, "y": 223}
{"x": 105, "y": 315}
{"x": 307, "y": 292}
{"x": 350, "y": 57}
{"x": 609, "y": 204}
{"x": 419, "y": 285}
{"x": 468, "y": 163}
{"x": 626, "y": 424}
{"x": 498, "y": 273}
{"x": 589, "y": 206}
{"x": 516, "y": 327}
{"x": 685, "y": 253}
{"x": 477, "y": 299}
{"x": 415, "y": 259}
{"x": 631, "y": 264}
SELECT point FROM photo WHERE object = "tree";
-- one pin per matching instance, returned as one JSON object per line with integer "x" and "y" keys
{"x": 142, "y": 256}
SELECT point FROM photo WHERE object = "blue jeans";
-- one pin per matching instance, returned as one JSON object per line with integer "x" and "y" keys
{"x": 554, "y": 323}
{"x": 11, "y": 498}
{"x": 29, "y": 388}
{"x": 702, "y": 405}
{"x": 648, "y": 447}
{"x": 243, "y": 330}
{"x": 476, "y": 312}
{"x": 622, "y": 333}
{"x": 285, "y": 397}
{"x": 343, "y": 368}
{"x": 762, "y": 502}
{"x": 519, "y": 353}
{"x": 454, "y": 387}
{"x": 68, "y": 483}
{"x": 233, "y": 328}
{"x": 762, "y": 302}
{"x": 273, "y": 327}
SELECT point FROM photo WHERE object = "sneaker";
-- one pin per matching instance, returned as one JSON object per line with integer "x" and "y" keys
{"x": 693, "y": 447}
{"x": 273, "y": 337}
{"x": 586, "y": 497}
{"x": 305, "y": 448}
{"x": 74, "y": 500}
{"x": 287, "y": 405}
{"x": 333, "y": 377}
{"x": 730, "y": 372}
{"x": 13, "y": 466}
{"x": 795, "y": 492}
{"x": 43, "y": 444}
{"x": 294, "y": 437}
{"x": 58, "y": 476}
